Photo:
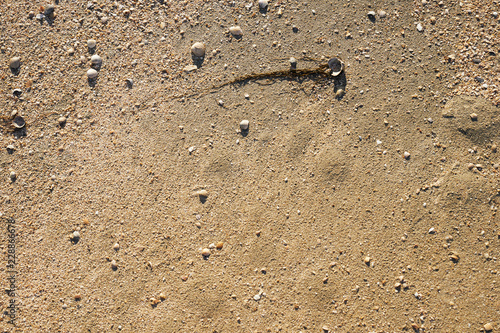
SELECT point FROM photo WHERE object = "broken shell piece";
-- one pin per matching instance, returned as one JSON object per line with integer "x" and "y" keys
{"x": 336, "y": 65}
{"x": 18, "y": 122}
{"x": 202, "y": 193}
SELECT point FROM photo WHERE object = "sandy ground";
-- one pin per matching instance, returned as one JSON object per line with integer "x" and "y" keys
{"x": 373, "y": 212}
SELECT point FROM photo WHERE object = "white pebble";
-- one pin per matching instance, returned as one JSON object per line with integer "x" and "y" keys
{"x": 205, "y": 252}
{"x": 92, "y": 73}
{"x": 15, "y": 62}
{"x": 114, "y": 265}
{"x": 257, "y": 297}
{"x": 420, "y": 28}
{"x": 406, "y": 155}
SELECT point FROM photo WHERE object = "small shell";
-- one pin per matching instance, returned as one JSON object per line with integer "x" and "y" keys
{"x": 202, "y": 193}
{"x": 91, "y": 44}
{"x": 336, "y": 65}
{"x": 236, "y": 31}
{"x": 15, "y": 62}
{"x": 95, "y": 59}
{"x": 263, "y": 4}
{"x": 244, "y": 125}
{"x": 198, "y": 49}
{"x": 18, "y": 122}
{"x": 205, "y": 252}
{"x": 92, "y": 74}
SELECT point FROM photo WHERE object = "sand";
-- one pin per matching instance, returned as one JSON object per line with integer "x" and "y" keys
{"x": 313, "y": 220}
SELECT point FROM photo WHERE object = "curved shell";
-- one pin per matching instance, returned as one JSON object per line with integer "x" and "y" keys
{"x": 336, "y": 65}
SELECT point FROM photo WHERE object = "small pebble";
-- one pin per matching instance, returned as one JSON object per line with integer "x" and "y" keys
{"x": 473, "y": 116}
{"x": 13, "y": 176}
{"x": 198, "y": 49}
{"x": 244, "y": 124}
{"x": 10, "y": 149}
{"x": 371, "y": 15}
{"x": 236, "y": 31}
{"x": 325, "y": 329}
{"x": 219, "y": 245}
{"x": 61, "y": 120}
{"x": 220, "y": 102}
{"x": 49, "y": 11}
{"x": 18, "y": 122}
{"x": 17, "y": 92}
{"x": 406, "y": 155}
{"x": 293, "y": 63}
{"x": 91, "y": 44}
{"x": 162, "y": 296}
{"x": 71, "y": 51}
{"x": 382, "y": 13}
{"x": 96, "y": 60}
{"x": 367, "y": 260}
{"x": 488, "y": 327}
{"x": 494, "y": 148}
{"x": 15, "y": 62}
{"x": 114, "y": 265}
{"x": 263, "y": 4}
{"x": 256, "y": 297}
{"x": 433, "y": 20}
{"x": 130, "y": 83}
{"x": 420, "y": 28}
{"x": 92, "y": 73}
{"x": 205, "y": 252}
{"x": 116, "y": 247}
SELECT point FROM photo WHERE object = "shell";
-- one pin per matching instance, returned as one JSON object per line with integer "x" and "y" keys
{"x": 236, "y": 31}
{"x": 198, "y": 49}
{"x": 18, "y": 122}
{"x": 95, "y": 59}
{"x": 336, "y": 65}
{"x": 92, "y": 74}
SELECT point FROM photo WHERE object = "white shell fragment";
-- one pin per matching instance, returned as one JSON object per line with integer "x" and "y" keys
{"x": 263, "y": 4}
{"x": 91, "y": 44}
{"x": 336, "y": 65}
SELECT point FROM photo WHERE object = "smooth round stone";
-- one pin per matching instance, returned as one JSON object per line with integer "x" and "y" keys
{"x": 13, "y": 175}
{"x": 198, "y": 49}
{"x": 15, "y": 62}
{"x": 95, "y": 59}
{"x": 236, "y": 31}
{"x": 382, "y": 13}
{"x": 488, "y": 327}
{"x": 406, "y": 155}
{"x": 263, "y": 4}
{"x": 116, "y": 247}
{"x": 114, "y": 265}
{"x": 219, "y": 245}
{"x": 420, "y": 28}
{"x": 244, "y": 125}
{"x": 293, "y": 63}
{"x": 91, "y": 44}
{"x": 473, "y": 116}
{"x": 92, "y": 73}
{"x": 202, "y": 193}
{"x": 61, "y": 120}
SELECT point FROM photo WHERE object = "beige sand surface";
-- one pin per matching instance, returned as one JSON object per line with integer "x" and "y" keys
{"x": 325, "y": 224}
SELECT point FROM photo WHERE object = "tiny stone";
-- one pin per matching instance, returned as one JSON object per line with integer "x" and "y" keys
{"x": 71, "y": 51}
{"x": 244, "y": 124}
{"x": 78, "y": 297}
{"x": 91, "y": 44}
{"x": 17, "y": 92}
{"x": 116, "y": 247}
{"x": 256, "y": 297}
{"x": 221, "y": 102}
{"x": 382, "y": 13}
{"x": 433, "y": 20}
{"x": 247, "y": 96}
{"x": 473, "y": 116}
{"x": 263, "y": 4}
{"x": 92, "y": 74}
{"x": 367, "y": 260}
{"x": 198, "y": 49}
{"x": 13, "y": 175}
{"x": 293, "y": 63}
{"x": 114, "y": 265}
{"x": 95, "y": 59}
{"x": 130, "y": 83}
{"x": 49, "y": 11}
{"x": 406, "y": 155}
{"x": 479, "y": 167}
{"x": 61, "y": 120}
{"x": 10, "y": 148}
{"x": 494, "y": 148}
{"x": 219, "y": 245}
{"x": 371, "y": 15}
{"x": 420, "y": 28}
{"x": 211, "y": 246}
{"x": 488, "y": 327}
{"x": 162, "y": 296}
{"x": 325, "y": 329}
{"x": 15, "y": 62}
{"x": 236, "y": 31}
{"x": 205, "y": 252}
{"x": 470, "y": 166}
